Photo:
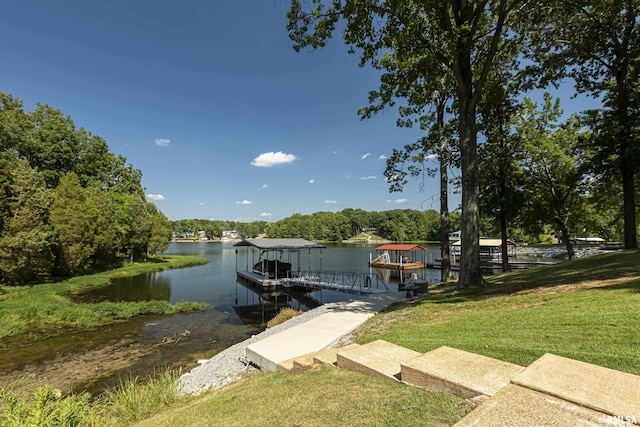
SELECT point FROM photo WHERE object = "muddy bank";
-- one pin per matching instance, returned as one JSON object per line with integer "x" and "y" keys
{"x": 97, "y": 359}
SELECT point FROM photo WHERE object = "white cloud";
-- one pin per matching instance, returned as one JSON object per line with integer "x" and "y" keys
{"x": 366, "y": 178}
{"x": 397, "y": 201}
{"x": 201, "y": 203}
{"x": 162, "y": 142}
{"x": 311, "y": 181}
{"x": 263, "y": 214}
{"x": 155, "y": 196}
{"x": 265, "y": 185}
{"x": 364, "y": 156}
{"x": 266, "y": 160}
{"x": 245, "y": 202}
{"x": 382, "y": 157}
{"x": 330, "y": 202}
{"x": 431, "y": 156}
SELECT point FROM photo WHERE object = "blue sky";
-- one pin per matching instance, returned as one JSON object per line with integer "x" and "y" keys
{"x": 225, "y": 120}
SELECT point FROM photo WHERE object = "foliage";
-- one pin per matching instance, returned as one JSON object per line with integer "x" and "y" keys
{"x": 66, "y": 203}
{"x": 553, "y": 165}
{"x": 419, "y": 44}
{"x": 26, "y": 240}
{"x": 130, "y": 401}
{"x": 46, "y": 408}
{"x": 597, "y": 44}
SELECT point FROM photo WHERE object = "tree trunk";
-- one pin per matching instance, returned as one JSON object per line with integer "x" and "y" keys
{"x": 626, "y": 162}
{"x": 503, "y": 235}
{"x": 470, "y": 272}
{"x": 567, "y": 241}
{"x": 445, "y": 263}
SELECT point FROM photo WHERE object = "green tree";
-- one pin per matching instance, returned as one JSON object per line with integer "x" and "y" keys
{"x": 463, "y": 36}
{"x": 74, "y": 217}
{"x": 137, "y": 240}
{"x": 26, "y": 239}
{"x": 554, "y": 166}
{"x": 160, "y": 234}
{"x": 598, "y": 45}
{"x": 502, "y": 178}
{"x": 54, "y": 148}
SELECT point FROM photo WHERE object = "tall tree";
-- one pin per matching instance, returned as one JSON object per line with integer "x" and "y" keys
{"x": 26, "y": 240}
{"x": 74, "y": 216}
{"x": 502, "y": 177}
{"x": 160, "y": 234}
{"x": 462, "y": 35}
{"x": 553, "y": 163}
{"x": 598, "y": 45}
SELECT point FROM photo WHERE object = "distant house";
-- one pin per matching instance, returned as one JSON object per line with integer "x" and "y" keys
{"x": 370, "y": 230}
{"x": 229, "y": 235}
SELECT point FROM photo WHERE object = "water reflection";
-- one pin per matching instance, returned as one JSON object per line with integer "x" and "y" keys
{"x": 144, "y": 287}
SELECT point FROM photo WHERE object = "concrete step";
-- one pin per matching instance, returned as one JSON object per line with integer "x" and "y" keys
{"x": 459, "y": 372}
{"x": 315, "y": 334}
{"x": 523, "y": 407}
{"x": 379, "y": 358}
{"x": 602, "y": 389}
{"x": 330, "y": 355}
{"x": 296, "y": 364}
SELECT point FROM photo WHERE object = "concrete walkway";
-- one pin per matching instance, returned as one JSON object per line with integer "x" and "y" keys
{"x": 317, "y": 334}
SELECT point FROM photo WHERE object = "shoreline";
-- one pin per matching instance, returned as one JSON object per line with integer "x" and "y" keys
{"x": 231, "y": 364}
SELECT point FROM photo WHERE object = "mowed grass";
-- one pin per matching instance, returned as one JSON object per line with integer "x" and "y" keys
{"x": 585, "y": 309}
{"x": 42, "y": 306}
{"x": 321, "y": 397}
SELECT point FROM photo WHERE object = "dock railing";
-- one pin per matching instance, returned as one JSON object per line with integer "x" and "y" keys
{"x": 359, "y": 283}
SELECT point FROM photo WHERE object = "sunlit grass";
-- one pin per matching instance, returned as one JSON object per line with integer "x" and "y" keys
{"x": 585, "y": 309}
{"x": 321, "y": 397}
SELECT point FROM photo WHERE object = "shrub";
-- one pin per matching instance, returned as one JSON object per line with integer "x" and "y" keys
{"x": 284, "y": 315}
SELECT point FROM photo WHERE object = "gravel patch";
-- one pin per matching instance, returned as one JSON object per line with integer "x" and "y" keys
{"x": 231, "y": 364}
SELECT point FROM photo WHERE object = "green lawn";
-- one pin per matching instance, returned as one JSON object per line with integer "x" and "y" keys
{"x": 585, "y": 309}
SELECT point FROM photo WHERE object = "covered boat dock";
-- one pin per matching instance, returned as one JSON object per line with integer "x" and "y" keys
{"x": 271, "y": 262}
{"x": 400, "y": 257}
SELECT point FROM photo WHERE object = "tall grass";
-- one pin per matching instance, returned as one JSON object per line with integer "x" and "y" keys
{"x": 47, "y": 407}
{"x": 135, "y": 400}
{"x": 130, "y": 401}
{"x": 283, "y": 315}
{"x": 45, "y": 305}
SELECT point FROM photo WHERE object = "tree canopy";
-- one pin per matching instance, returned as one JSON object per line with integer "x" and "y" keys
{"x": 67, "y": 204}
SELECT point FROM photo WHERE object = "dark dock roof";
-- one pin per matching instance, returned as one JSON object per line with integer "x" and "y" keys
{"x": 280, "y": 244}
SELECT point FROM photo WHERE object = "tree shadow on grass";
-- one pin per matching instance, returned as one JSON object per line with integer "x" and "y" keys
{"x": 616, "y": 270}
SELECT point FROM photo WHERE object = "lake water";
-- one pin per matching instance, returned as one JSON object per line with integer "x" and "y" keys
{"x": 235, "y": 311}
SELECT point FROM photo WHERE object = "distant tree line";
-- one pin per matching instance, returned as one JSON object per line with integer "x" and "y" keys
{"x": 67, "y": 204}
{"x": 396, "y": 225}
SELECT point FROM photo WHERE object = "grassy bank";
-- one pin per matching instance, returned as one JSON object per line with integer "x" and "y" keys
{"x": 42, "y": 306}
{"x": 584, "y": 309}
